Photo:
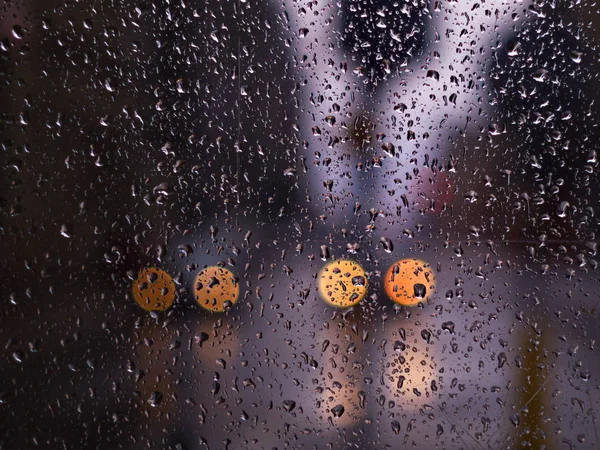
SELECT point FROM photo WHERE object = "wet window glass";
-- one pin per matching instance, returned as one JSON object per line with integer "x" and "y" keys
{"x": 299, "y": 224}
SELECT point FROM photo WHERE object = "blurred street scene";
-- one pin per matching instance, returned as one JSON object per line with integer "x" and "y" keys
{"x": 181, "y": 179}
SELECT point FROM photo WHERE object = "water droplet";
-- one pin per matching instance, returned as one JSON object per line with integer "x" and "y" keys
{"x": 419, "y": 290}
{"x": 289, "y": 405}
{"x": 17, "y": 32}
{"x": 338, "y": 411}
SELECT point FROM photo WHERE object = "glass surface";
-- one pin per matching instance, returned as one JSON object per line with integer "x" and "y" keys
{"x": 299, "y": 224}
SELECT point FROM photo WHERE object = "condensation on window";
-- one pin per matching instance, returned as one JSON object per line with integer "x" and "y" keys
{"x": 299, "y": 224}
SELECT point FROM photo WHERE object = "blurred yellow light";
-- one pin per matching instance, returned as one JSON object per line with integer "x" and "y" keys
{"x": 342, "y": 283}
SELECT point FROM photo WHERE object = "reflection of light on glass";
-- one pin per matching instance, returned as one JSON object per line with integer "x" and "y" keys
{"x": 409, "y": 281}
{"x": 335, "y": 385}
{"x": 411, "y": 370}
{"x": 215, "y": 342}
{"x": 342, "y": 283}
{"x": 339, "y": 403}
{"x": 216, "y": 289}
{"x": 211, "y": 347}
{"x": 339, "y": 397}
{"x": 153, "y": 290}
{"x": 155, "y": 347}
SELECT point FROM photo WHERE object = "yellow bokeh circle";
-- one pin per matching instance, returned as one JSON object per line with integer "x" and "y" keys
{"x": 342, "y": 283}
{"x": 153, "y": 289}
{"x": 216, "y": 289}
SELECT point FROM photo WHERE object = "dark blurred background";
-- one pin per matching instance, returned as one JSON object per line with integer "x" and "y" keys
{"x": 180, "y": 134}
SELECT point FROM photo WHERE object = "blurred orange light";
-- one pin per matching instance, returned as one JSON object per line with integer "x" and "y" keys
{"x": 153, "y": 290}
{"x": 409, "y": 281}
{"x": 216, "y": 289}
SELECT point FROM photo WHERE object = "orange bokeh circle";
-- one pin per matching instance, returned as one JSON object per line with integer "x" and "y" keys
{"x": 409, "y": 281}
{"x": 216, "y": 289}
{"x": 153, "y": 289}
